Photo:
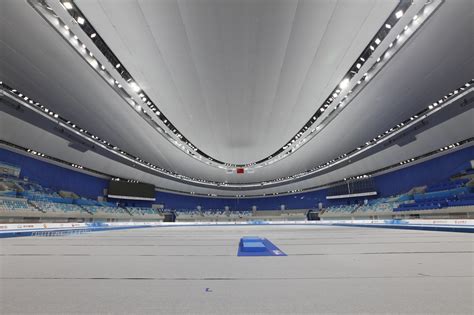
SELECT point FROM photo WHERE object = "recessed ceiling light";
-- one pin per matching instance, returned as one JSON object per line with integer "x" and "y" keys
{"x": 80, "y": 20}
{"x": 388, "y": 26}
{"x": 67, "y": 5}
{"x": 135, "y": 86}
{"x": 377, "y": 41}
{"x": 93, "y": 35}
{"x": 344, "y": 83}
{"x": 399, "y": 14}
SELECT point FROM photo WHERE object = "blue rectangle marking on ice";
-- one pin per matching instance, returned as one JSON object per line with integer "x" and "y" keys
{"x": 253, "y": 247}
{"x": 257, "y": 246}
{"x": 251, "y": 239}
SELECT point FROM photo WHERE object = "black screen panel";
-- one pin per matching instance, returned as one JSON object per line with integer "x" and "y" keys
{"x": 126, "y": 190}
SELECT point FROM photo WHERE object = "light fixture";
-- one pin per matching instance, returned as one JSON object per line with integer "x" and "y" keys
{"x": 135, "y": 87}
{"x": 388, "y": 26}
{"x": 125, "y": 75}
{"x": 67, "y": 5}
{"x": 344, "y": 83}
{"x": 80, "y": 20}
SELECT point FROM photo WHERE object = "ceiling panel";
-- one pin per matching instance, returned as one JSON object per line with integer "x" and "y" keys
{"x": 246, "y": 74}
{"x": 238, "y": 78}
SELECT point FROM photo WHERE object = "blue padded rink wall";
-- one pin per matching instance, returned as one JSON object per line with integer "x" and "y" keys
{"x": 21, "y": 230}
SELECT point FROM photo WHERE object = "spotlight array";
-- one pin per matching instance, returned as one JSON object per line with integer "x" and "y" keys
{"x": 174, "y": 136}
{"x": 341, "y": 92}
{"x": 356, "y": 177}
{"x": 309, "y": 131}
{"x": 36, "y": 153}
{"x": 368, "y": 144}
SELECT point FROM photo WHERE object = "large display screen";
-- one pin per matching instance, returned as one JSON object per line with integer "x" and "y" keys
{"x": 134, "y": 191}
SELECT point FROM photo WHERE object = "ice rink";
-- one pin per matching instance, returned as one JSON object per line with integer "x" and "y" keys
{"x": 195, "y": 270}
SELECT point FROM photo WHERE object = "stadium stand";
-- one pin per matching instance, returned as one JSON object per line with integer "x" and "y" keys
{"x": 56, "y": 207}
{"x": 41, "y": 202}
{"x": 453, "y": 197}
{"x": 144, "y": 212}
{"x": 14, "y": 206}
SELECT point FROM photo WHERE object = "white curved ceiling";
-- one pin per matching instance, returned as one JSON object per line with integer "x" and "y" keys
{"x": 237, "y": 78}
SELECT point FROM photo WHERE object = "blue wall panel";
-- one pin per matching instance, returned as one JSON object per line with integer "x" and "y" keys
{"x": 55, "y": 177}
{"x": 426, "y": 173}
{"x": 395, "y": 182}
{"x": 304, "y": 200}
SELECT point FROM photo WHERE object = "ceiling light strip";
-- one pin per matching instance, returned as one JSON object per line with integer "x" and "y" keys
{"x": 127, "y": 89}
{"x": 420, "y": 158}
{"x": 443, "y": 102}
{"x": 70, "y": 7}
{"x": 382, "y": 52}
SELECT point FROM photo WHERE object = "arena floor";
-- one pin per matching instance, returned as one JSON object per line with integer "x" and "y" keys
{"x": 196, "y": 270}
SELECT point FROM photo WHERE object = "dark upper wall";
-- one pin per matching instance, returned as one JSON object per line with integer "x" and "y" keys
{"x": 392, "y": 183}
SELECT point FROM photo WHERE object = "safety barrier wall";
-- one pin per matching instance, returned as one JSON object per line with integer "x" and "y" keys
{"x": 62, "y": 229}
